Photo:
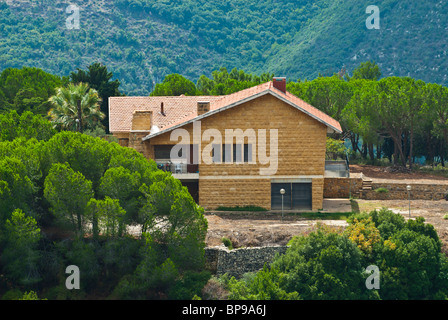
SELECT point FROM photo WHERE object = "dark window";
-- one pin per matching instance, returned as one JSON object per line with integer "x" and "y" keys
{"x": 164, "y": 152}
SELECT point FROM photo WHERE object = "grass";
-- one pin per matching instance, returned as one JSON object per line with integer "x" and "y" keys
{"x": 243, "y": 208}
{"x": 322, "y": 215}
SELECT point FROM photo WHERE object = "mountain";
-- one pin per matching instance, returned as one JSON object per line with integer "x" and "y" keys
{"x": 141, "y": 41}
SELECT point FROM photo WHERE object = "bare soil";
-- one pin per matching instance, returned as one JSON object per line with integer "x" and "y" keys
{"x": 266, "y": 228}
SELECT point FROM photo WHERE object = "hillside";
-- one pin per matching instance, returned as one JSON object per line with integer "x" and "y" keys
{"x": 141, "y": 41}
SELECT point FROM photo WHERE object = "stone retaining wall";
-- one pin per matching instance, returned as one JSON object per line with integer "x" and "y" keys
{"x": 236, "y": 262}
{"x": 344, "y": 187}
{"x": 341, "y": 187}
{"x": 398, "y": 191}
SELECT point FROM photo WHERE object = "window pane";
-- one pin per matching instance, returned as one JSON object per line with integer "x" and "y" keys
{"x": 237, "y": 153}
{"x": 227, "y": 153}
{"x": 247, "y": 153}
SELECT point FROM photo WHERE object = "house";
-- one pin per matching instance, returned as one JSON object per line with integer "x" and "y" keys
{"x": 233, "y": 150}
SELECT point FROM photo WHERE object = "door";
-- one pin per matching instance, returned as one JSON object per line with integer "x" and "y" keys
{"x": 301, "y": 196}
{"x": 297, "y": 196}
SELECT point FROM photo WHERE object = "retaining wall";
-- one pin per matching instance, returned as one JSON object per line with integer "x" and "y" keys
{"x": 236, "y": 262}
{"x": 341, "y": 187}
{"x": 398, "y": 191}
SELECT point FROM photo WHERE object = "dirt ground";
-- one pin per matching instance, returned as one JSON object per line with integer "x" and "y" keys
{"x": 266, "y": 228}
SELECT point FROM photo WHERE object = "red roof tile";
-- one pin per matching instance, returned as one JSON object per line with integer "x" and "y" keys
{"x": 183, "y": 109}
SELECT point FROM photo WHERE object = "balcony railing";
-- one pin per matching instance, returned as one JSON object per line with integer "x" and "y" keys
{"x": 338, "y": 168}
{"x": 177, "y": 168}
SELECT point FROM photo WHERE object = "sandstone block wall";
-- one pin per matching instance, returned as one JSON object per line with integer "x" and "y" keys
{"x": 341, "y": 187}
{"x": 233, "y": 192}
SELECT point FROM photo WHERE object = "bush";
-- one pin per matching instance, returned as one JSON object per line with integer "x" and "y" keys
{"x": 227, "y": 242}
{"x": 381, "y": 190}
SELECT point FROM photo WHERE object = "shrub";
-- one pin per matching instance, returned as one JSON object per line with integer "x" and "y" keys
{"x": 227, "y": 242}
{"x": 381, "y": 190}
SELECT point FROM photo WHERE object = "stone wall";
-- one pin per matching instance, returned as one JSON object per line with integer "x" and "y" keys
{"x": 397, "y": 191}
{"x": 344, "y": 187}
{"x": 236, "y": 262}
{"x": 341, "y": 187}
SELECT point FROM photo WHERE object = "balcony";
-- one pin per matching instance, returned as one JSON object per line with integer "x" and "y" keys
{"x": 182, "y": 171}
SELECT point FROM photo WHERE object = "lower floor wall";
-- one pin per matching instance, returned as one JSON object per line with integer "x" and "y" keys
{"x": 240, "y": 261}
{"x": 244, "y": 192}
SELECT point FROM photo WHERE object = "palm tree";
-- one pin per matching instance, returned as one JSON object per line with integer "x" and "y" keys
{"x": 76, "y": 107}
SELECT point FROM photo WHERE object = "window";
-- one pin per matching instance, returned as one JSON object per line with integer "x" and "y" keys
{"x": 236, "y": 153}
{"x": 164, "y": 152}
{"x": 247, "y": 153}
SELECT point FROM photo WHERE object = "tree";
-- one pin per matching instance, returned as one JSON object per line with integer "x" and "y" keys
{"x": 99, "y": 78}
{"x": 175, "y": 85}
{"x": 328, "y": 94}
{"x": 172, "y": 218}
{"x": 20, "y": 256}
{"x": 106, "y": 217}
{"x": 223, "y": 82}
{"x": 16, "y": 188}
{"x": 76, "y": 107}
{"x": 68, "y": 193}
{"x": 436, "y": 108}
{"x": 368, "y": 70}
{"x": 26, "y": 125}
{"x": 122, "y": 184}
{"x": 28, "y": 89}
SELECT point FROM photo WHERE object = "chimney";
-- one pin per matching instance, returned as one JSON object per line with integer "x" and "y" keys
{"x": 142, "y": 120}
{"x": 279, "y": 83}
{"x": 203, "y": 107}
{"x": 162, "y": 110}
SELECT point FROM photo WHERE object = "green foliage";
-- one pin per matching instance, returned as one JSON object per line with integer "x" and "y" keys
{"x": 80, "y": 182}
{"x": 381, "y": 190}
{"x": 31, "y": 295}
{"x": 175, "y": 85}
{"x": 335, "y": 149}
{"x": 329, "y": 265}
{"x": 27, "y": 89}
{"x": 76, "y": 107}
{"x": 20, "y": 256}
{"x": 367, "y": 70}
{"x": 227, "y": 242}
{"x": 68, "y": 193}
{"x": 26, "y": 125}
{"x": 99, "y": 78}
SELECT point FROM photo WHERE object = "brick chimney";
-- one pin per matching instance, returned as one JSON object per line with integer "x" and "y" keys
{"x": 203, "y": 107}
{"x": 279, "y": 83}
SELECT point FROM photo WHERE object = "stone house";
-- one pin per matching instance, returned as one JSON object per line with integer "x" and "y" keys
{"x": 233, "y": 150}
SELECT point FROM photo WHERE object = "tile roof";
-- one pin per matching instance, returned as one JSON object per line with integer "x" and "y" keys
{"x": 183, "y": 109}
{"x": 176, "y": 109}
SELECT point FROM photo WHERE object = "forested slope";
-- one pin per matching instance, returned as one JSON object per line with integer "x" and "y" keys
{"x": 141, "y": 41}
